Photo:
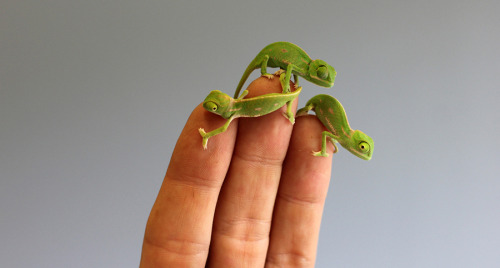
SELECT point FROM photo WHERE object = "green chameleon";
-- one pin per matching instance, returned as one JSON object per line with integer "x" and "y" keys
{"x": 294, "y": 60}
{"x": 229, "y": 108}
{"x": 331, "y": 113}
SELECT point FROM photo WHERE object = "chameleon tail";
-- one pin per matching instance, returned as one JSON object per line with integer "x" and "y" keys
{"x": 244, "y": 78}
{"x": 305, "y": 109}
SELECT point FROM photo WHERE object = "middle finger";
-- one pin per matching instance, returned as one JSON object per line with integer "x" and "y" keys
{"x": 242, "y": 222}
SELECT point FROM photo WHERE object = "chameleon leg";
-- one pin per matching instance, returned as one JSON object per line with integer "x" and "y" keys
{"x": 289, "y": 113}
{"x": 285, "y": 78}
{"x": 296, "y": 80}
{"x": 263, "y": 67}
{"x": 325, "y": 135}
{"x": 212, "y": 133}
{"x": 303, "y": 111}
{"x": 279, "y": 72}
{"x": 243, "y": 94}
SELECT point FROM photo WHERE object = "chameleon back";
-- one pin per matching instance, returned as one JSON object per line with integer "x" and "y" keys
{"x": 331, "y": 113}
{"x": 281, "y": 53}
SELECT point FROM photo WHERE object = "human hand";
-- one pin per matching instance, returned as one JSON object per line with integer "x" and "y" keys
{"x": 253, "y": 198}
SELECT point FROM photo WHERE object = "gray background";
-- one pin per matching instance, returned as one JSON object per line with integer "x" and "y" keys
{"x": 95, "y": 93}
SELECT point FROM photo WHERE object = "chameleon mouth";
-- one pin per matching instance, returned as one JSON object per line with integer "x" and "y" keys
{"x": 322, "y": 82}
{"x": 366, "y": 156}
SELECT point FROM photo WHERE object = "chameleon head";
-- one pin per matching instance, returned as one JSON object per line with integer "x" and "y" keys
{"x": 322, "y": 74}
{"x": 362, "y": 145}
{"x": 217, "y": 103}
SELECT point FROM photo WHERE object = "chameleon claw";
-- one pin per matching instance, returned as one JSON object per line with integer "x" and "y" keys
{"x": 202, "y": 132}
{"x": 289, "y": 117}
{"x": 320, "y": 153}
{"x": 203, "y": 135}
{"x": 268, "y": 76}
{"x": 279, "y": 72}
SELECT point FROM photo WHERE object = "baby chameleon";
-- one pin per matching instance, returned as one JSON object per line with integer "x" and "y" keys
{"x": 293, "y": 60}
{"x": 331, "y": 113}
{"x": 229, "y": 108}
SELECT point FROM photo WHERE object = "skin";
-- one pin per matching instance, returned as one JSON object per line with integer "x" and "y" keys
{"x": 252, "y": 199}
{"x": 228, "y": 108}
{"x": 293, "y": 60}
{"x": 331, "y": 113}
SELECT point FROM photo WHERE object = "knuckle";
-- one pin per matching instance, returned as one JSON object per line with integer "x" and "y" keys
{"x": 289, "y": 259}
{"x": 198, "y": 181}
{"x": 301, "y": 200}
{"x": 178, "y": 248}
{"x": 245, "y": 229}
{"x": 259, "y": 159}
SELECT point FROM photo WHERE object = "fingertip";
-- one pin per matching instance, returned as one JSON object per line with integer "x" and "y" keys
{"x": 263, "y": 85}
{"x": 307, "y": 136}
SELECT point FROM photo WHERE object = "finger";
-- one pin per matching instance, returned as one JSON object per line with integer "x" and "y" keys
{"x": 301, "y": 197}
{"x": 244, "y": 211}
{"x": 179, "y": 226}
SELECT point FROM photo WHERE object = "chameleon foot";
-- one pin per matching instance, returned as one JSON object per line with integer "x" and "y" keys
{"x": 320, "y": 153}
{"x": 268, "y": 76}
{"x": 205, "y": 139}
{"x": 289, "y": 117}
{"x": 284, "y": 83}
{"x": 302, "y": 111}
{"x": 279, "y": 72}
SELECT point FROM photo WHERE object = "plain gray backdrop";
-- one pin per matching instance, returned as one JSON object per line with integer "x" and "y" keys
{"x": 93, "y": 95}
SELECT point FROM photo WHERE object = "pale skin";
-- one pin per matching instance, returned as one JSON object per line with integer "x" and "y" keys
{"x": 253, "y": 198}
{"x": 292, "y": 60}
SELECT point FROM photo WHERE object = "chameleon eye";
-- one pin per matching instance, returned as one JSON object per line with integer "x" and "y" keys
{"x": 364, "y": 146}
{"x": 322, "y": 72}
{"x": 210, "y": 106}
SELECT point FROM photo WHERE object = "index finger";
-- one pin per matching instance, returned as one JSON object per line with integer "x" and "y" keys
{"x": 180, "y": 223}
{"x": 244, "y": 211}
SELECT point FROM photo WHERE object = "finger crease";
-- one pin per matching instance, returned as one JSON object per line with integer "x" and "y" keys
{"x": 302, "y": 201}
{"x": 179, "y": 247}
{"x": 198, "y": 182}
{"x": 246, "y": 229}
{"x": 246, "y": 237}
{"x": 289, "y": 259}
{"x": 260, "y": 160}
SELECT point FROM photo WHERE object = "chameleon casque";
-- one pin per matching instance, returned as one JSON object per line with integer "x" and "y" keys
{"x": 293, "y": 60}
